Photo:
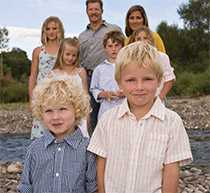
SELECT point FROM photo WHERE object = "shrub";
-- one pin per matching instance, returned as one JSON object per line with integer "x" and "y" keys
{"x": 13, "y": 91}
{"x": 192, "y": 84}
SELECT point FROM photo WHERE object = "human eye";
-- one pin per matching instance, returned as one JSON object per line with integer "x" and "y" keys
{"x": 63, "y": 109}
{"x": 130, "y": 80}
{"x": 48, "y": 110}
{"x": 148, "y": 78}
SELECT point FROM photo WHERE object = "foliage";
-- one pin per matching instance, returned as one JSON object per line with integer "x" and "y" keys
{"x": 13, "y": 91}
{"x": 196, "y": 14}
{"x": 192, "y": 84}
{"x": 17, "y": 63}
{"x": 189, "y": 47}
{"x": 3, "y": 37}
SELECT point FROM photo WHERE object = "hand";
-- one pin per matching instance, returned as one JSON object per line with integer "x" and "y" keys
{"x": 107, "y": 95}
{"x": 120, "y": 93}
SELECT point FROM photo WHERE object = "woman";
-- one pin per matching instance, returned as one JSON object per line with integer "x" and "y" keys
{"x": 135, "y": 18}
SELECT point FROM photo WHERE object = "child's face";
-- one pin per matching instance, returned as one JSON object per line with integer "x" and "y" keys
{"x": 60, "y": 120}
{"x": 139, "y": 85}
{"x": 112, "y": 49}
{"x": 142, "y": 36}
{"x": 69, "y": 55}
{"x": 52, "y": 30}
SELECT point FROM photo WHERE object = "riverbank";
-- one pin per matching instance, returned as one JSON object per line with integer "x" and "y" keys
{"x": 192, "y": 179}
{"x": 195, "y": 112}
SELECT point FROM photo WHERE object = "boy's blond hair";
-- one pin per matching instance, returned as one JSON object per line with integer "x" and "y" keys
{"x": 57, "y": 91}
{"x": 140, "y": 53}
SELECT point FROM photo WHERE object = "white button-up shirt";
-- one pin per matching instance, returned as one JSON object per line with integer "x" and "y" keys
{"x": 136, "y": 151}
{"x": 103, "y": 80}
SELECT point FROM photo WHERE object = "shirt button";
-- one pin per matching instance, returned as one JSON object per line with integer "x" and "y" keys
{"x": 57, "y": 174}
{"x": 59, "y": 149}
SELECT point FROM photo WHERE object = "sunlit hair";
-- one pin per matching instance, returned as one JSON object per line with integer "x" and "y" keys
{"x": 59, "y": 24}
{"x": 144, "y": 29}
{"x": 95, "y": 1}
{"x": 128, "y": 30}
{"x": 115, "y": 36}
{"x": 140, "y": 53}
{"x": 74, "y": 42}
{"x": 58, "y": 91}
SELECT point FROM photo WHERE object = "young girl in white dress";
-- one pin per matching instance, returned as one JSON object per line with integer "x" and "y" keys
{"x": 43, "y": 60}
{"x": 67, "y": 62}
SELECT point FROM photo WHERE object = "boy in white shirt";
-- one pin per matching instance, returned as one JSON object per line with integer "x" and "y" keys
{"x": 139, "y": 144}
{"x": 103, "y": 84}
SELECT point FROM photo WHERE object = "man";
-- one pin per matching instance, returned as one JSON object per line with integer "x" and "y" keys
{"x": 91, "y": 43}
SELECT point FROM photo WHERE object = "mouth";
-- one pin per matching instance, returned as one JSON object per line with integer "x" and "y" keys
{"x": 94, "y": 15}
{"x": 57, "y": 124}
{"x": 139, "y": 94}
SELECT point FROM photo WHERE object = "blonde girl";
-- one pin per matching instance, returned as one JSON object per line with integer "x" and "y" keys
{"x": 43, "y": 60}
{"x": 67, "y": 62}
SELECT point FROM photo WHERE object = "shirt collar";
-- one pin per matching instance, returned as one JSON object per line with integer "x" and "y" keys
{"x": 104, "y": 23}
{"x": 157, "y": 110}
{"x": 107, "y": 62}
{"x": 73, "y": 139}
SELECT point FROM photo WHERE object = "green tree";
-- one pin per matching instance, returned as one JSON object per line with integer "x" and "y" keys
{"x": 3, "y": 37}
{"x": 196, "y": 17}
{"x": 3, "y": 44}
{"x": 17, "y": 62}
{"x": 189, "y": 48}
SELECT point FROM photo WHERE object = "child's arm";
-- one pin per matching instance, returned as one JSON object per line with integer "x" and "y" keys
{"x": 25, "y": 185}
{"x": 95, "y": 87}
{"x": 34, "y": 71}
{"x": 170, "y": 178}
{"x": 107, "y": 95}
{"x": 83, "y": 76}
{"x": 166, "y": 88}
{"x": 101, "y": 163}
{"x": 91, "y": 184}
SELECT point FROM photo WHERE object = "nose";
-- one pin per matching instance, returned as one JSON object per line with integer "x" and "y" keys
{"x": 55, "y": 114}
{"x": 139, "y": 85}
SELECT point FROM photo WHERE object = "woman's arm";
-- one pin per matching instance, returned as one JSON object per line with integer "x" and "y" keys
{"x": 100, "y": 165}
{"x": 34, "y": 71}
{"x": 170, "y": 178}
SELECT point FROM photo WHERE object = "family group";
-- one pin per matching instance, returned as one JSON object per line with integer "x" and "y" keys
{"x": 101, "y": 124}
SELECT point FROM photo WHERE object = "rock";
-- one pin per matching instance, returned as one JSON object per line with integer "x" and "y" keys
{"x": 14, "y": 167}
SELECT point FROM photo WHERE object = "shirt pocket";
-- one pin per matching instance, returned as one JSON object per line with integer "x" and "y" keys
{"x": 157, "y": 146}
{"x": 74, "y": 176}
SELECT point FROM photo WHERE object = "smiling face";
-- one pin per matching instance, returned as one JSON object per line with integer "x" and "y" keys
{"x": 52, "y": 31}
{"x": 139, "y": 85}
{"x": 135, "y": 20}
{"x": 70, "y": 54}
{"x": 59, "y": 120}
{"x": 94, "y": 12}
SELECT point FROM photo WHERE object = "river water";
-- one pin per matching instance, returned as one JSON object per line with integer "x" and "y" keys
{"x": 13, "y": 147}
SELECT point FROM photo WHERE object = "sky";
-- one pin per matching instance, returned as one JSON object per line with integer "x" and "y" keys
{"x": 24, "y": 18}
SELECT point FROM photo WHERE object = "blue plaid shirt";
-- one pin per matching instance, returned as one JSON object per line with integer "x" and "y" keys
{"x": 59, "y": 167}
